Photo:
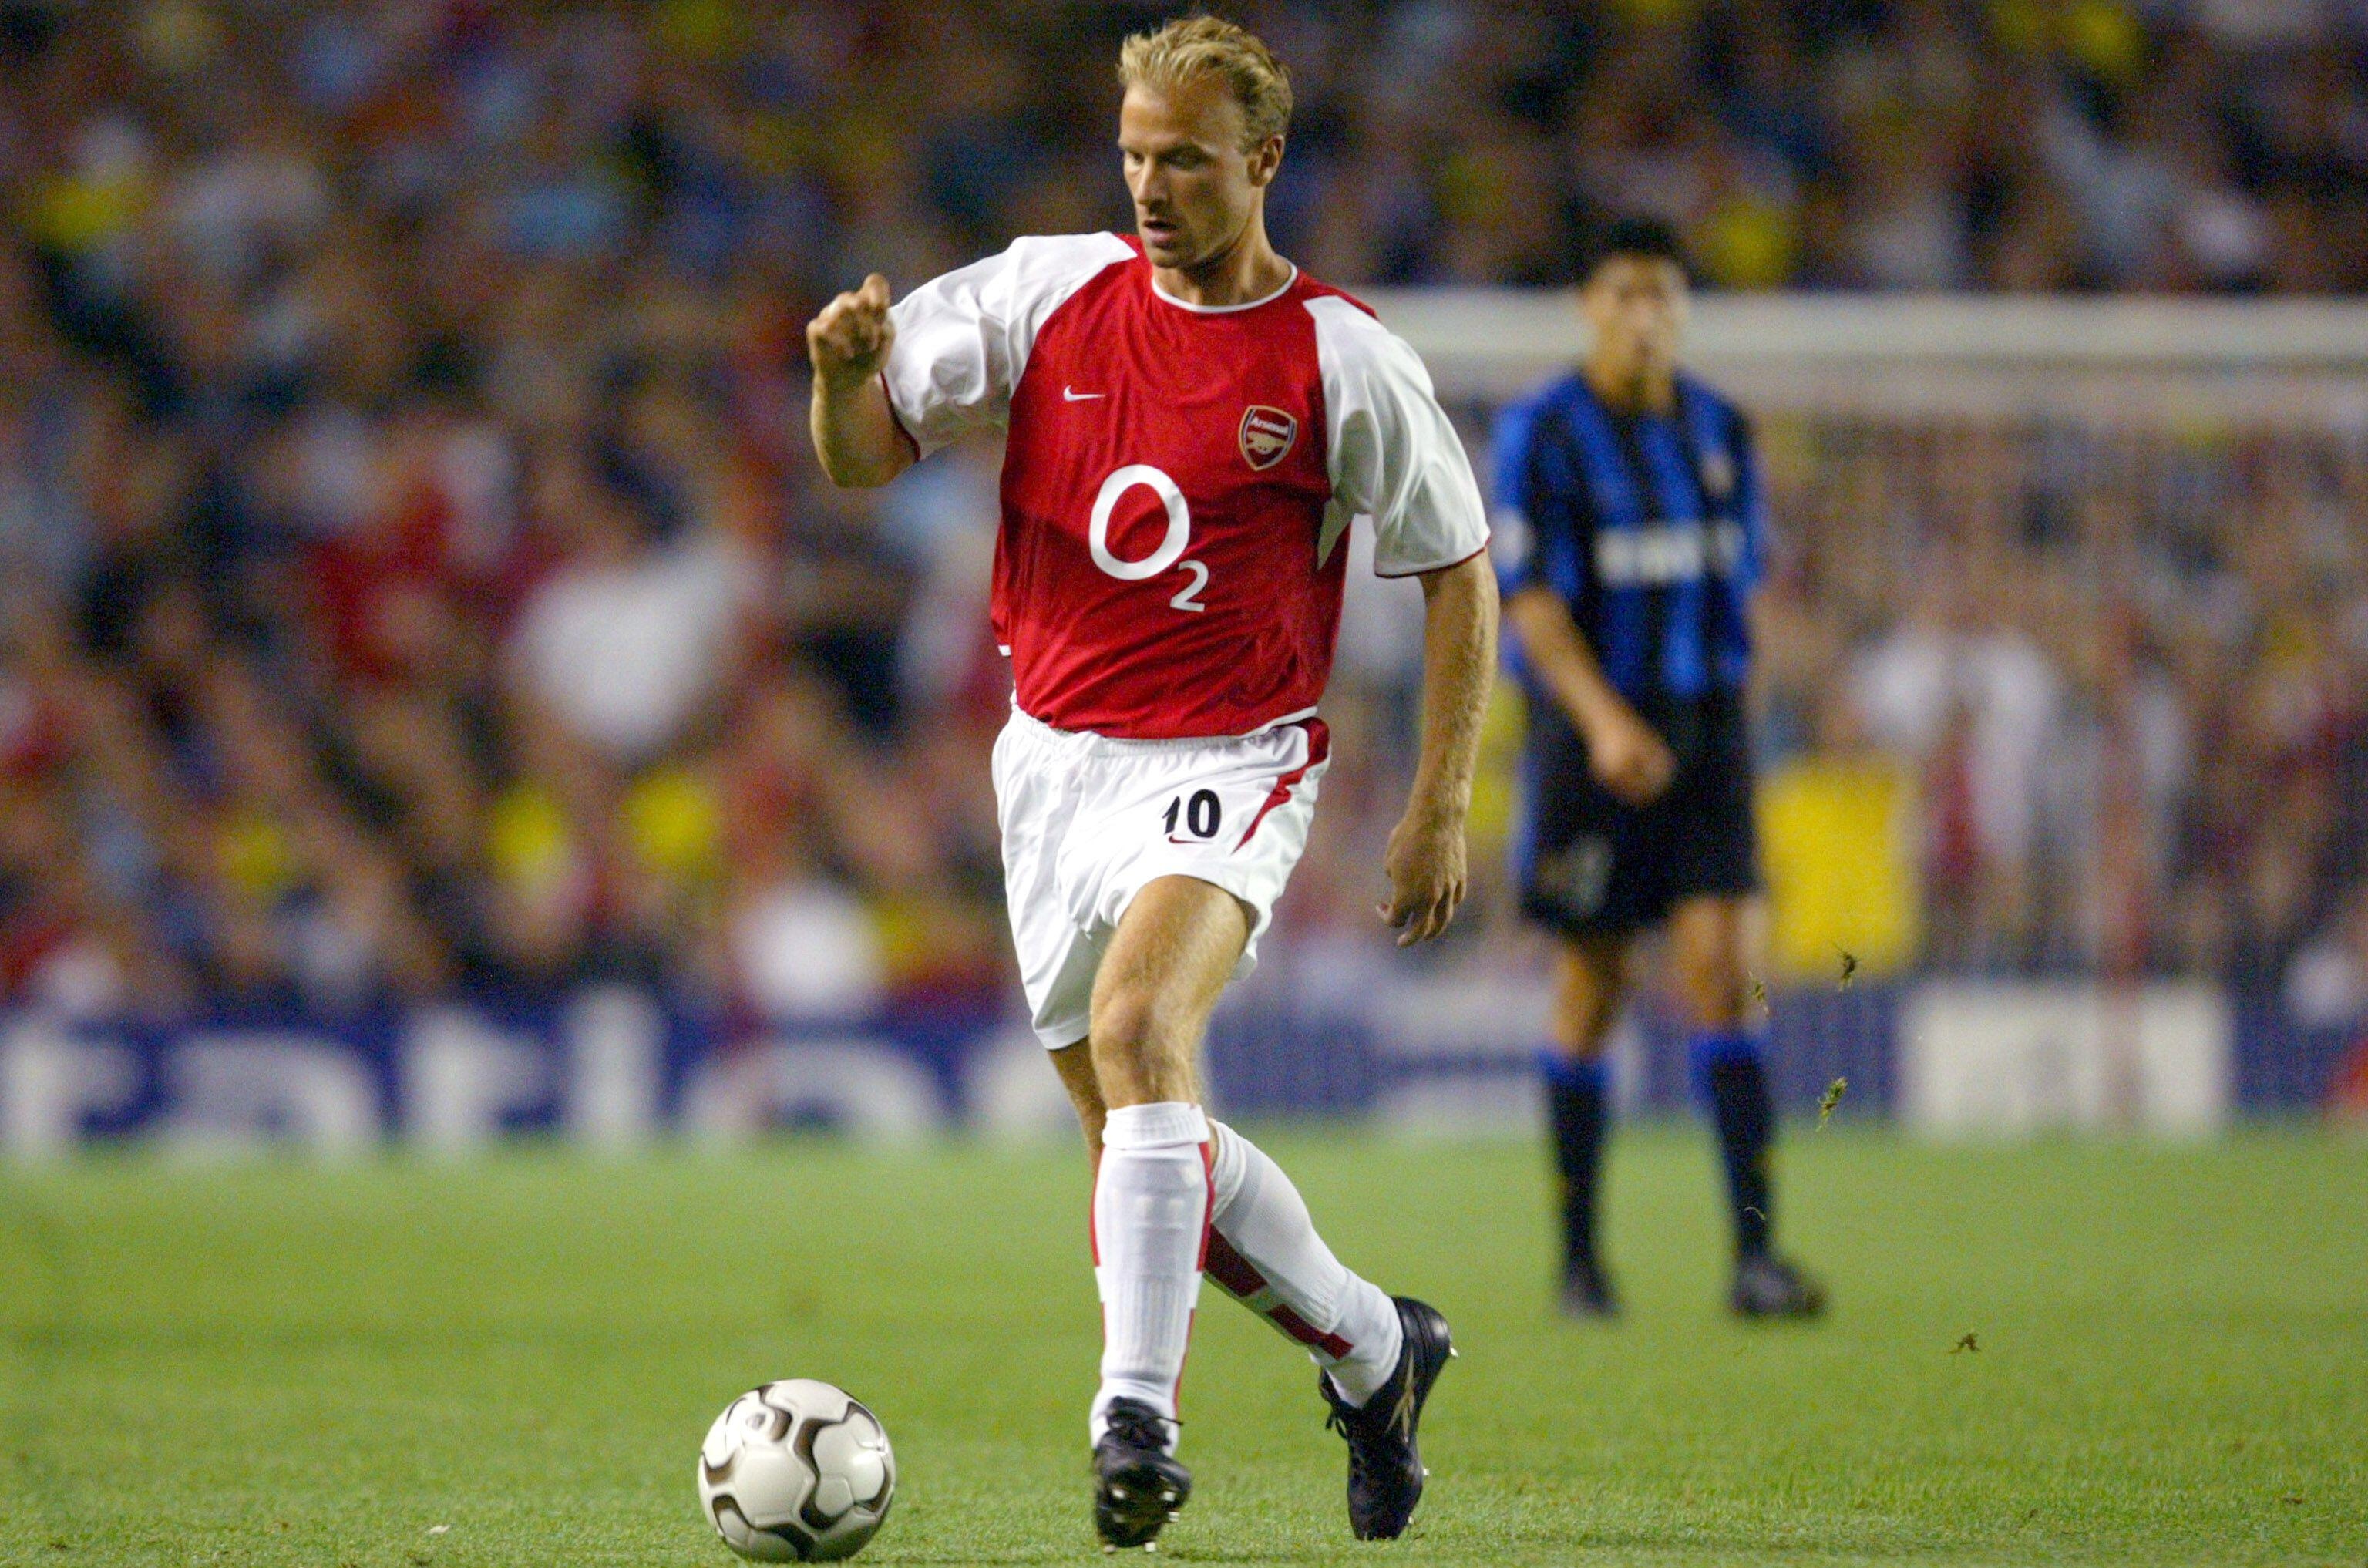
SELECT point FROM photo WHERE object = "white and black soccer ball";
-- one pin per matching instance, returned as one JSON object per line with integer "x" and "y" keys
{"x": 796, "y": 1472}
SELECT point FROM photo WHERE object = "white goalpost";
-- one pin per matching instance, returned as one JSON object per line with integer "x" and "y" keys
{"x": 2116, "y": 361}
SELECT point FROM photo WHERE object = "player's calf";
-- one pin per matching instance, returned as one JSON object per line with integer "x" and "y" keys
{"x": 1265, "y": 1252}
{"x": 1577, "y": 1096}
{"x": 1151, "y": 1220}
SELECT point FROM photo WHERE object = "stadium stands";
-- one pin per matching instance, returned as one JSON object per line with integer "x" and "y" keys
{"x": 417, "y": 579}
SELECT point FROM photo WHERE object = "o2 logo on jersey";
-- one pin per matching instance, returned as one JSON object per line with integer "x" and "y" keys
{"x": 1266, "y": 435}
{"x": 1172, "y": 545}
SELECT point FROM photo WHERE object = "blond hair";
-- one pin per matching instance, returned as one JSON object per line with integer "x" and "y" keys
{"x": 1192, "y": 47}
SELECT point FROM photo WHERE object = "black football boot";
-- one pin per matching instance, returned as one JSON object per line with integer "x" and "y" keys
{"x": 1767, "y": 1287}
{"x": 1138, "y": 1484}
{"x": 1586, "y": 1291}
{"x": 1385, "y": 1473}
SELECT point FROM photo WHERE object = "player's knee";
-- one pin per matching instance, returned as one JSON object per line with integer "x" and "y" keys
{"x": 1582, "y": 1030}
{"x": 1135, "y": 1026}
{"x": 1711, "y": 992}
{"x": 1586, "y": 1003}
{"x": 1122, "y": 1021}
{"x": 1582, "y": 1050}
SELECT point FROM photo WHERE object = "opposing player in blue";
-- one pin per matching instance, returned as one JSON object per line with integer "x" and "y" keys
{"x": 1630, "y": 532}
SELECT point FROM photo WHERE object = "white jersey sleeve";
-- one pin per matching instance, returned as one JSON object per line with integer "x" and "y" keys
{"x": 1394, "y": 455}
{"x": 963, "y": 340}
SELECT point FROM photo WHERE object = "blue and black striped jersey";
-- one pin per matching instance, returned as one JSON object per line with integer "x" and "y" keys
{"x": 1652, "y": 528}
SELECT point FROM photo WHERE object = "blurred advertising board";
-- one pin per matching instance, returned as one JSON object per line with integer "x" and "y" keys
{"x": 1984, "y": 1058}
{"x": 613, "y": 1068}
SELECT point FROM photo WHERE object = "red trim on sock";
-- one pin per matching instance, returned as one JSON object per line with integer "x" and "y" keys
{"x": 1208, "y": 1231}
{"x": 1307, "y": 1334}
{"x": 1320, "y": 746}
{"x": 1209, "y": 1205}
{"x": 1236, "y": 1276}
{"x": 1230, "y": 1269}
{"x": 1175, "y": 1395}
{"x": 1094, "y": 1240}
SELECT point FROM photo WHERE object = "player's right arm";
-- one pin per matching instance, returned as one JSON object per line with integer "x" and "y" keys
{"x": 895, "y": 383}
{"x": 1533, "y": 520}
{"x": 855, "y": 433}
{"x": 1624, "y": 752}
{"x": 1396, "y": 457}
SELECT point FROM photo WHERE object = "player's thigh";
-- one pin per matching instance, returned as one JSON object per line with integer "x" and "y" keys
{"x": 1714, "y": 875}
{"x": 1590, "y": 980}
{"x": 1599, "y": 876}
{"x": 1706, "y": 827}
{"x": 1169, "y": 961}
{"x": 1587, "y": 867}
{"x": 1710, "y": 956}
{"x": 1056, "y": 946}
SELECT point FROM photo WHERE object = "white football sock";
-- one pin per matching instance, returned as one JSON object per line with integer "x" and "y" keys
{"x": 1151, "y": 1225}
{"x": 1264, "y": 1253}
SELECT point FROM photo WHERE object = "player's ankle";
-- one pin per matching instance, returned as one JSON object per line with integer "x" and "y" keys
{"x": 1160, "y": 1401}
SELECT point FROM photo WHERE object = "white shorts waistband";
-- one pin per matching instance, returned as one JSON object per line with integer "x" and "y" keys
{"x": 1087, "y": 742}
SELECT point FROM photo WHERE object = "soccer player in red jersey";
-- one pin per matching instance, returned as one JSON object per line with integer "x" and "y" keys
{"x": 1190, "y": 424}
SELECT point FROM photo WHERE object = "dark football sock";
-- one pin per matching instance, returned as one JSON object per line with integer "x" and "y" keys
{"x": 1575, "y": 1100}
{"x": 1728, "y": 1073}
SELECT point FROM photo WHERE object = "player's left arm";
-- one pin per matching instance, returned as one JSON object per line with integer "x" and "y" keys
{"x": 1427, "y": 856}
{"x": 1396, "y": 458}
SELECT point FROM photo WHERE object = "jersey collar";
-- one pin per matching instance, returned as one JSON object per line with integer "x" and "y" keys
{"x": 1162, "y": 294}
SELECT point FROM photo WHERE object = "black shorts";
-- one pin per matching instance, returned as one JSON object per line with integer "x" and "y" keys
{"x": 1589, "y": 864}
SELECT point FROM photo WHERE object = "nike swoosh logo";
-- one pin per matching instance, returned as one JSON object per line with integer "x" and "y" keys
{"x": 1069, "y": 396}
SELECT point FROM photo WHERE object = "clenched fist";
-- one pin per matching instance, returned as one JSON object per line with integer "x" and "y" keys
{"x": 849, "y": 342}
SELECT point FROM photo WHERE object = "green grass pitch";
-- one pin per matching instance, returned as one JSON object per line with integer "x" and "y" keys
{"x": 273, "y": 1364}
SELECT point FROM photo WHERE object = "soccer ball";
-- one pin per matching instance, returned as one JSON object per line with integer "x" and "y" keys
{"x": 796, "y": 1472}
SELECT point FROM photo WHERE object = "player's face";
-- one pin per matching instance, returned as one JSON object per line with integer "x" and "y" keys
{"x": 1637, "y": 306}
{"x": 1196, "y": 188}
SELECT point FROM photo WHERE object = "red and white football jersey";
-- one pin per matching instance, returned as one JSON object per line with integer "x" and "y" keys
{"x": 1177, "y": 479}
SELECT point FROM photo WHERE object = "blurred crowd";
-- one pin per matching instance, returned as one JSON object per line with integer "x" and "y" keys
{"x": 2019, "y": 144}
{"x": 2112, "y": 685}
{"x": 416, "y": 578}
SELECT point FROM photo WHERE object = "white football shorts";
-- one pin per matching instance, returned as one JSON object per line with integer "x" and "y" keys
{"x": 1089, "y": 822}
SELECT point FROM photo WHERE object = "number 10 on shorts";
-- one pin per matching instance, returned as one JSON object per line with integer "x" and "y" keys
{"x": 1198, "y": 814}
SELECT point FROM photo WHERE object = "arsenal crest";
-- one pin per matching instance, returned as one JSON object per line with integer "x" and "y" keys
{"x": 1266, "y": 435}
